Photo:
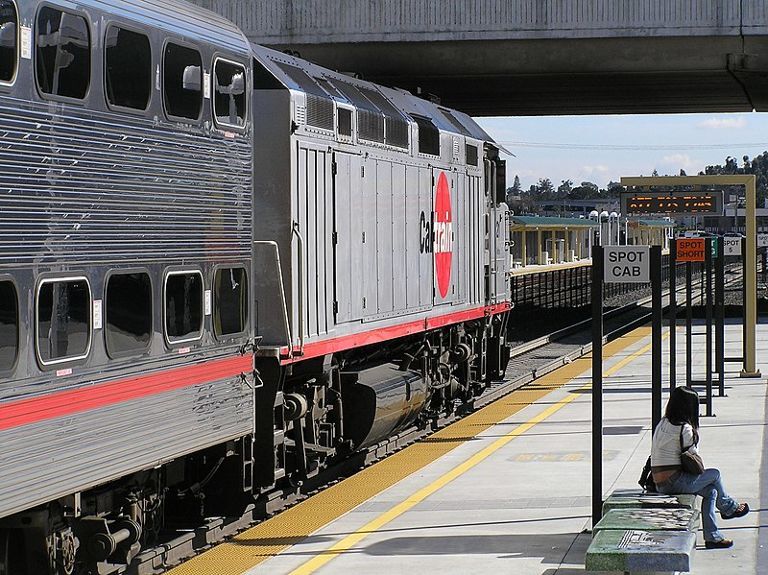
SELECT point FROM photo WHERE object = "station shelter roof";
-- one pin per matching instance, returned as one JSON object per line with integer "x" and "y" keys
{"x": 652, "y": 223}
{"x": 533, "y": 223}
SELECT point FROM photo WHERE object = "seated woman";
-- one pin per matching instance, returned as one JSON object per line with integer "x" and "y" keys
{"x": 678, "y": 431}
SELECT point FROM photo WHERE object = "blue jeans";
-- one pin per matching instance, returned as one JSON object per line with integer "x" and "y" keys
{"x": 709, "y": 486}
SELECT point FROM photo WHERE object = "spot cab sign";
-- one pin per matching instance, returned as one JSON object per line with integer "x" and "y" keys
{"x": 627, "y": 264}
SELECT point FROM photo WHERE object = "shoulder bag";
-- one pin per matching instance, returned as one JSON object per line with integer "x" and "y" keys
{"x": 690, "y": 462}
{"x": 646, "y": 478}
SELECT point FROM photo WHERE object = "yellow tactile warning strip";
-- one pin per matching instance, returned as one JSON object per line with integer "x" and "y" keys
{"x": 269, "y": 538}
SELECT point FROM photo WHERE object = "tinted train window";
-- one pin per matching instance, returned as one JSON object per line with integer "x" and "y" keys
{"x": 9, "y": 325}
{"x": 230, "y": 288}
{"x": 344, "y": 122}
{"x": 128, "y": 320}
{"x": 184, "y": 306}
{"x": 472, "y": 158}
{"x": 183, "y": 82}
{"x": 9, "y": 24}
{"x": 229, "y": 94}
{"x": 429, "y": 136}
{"x": 63, "y": 320}
{"x": 128, "y": 72}
{"x": 63, "y": 46}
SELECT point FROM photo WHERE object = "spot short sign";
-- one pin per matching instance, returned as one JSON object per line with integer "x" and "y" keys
{"x": 732, "y": 246}
{"x": 691, "y": 250}
{"x": 627, "y": 264}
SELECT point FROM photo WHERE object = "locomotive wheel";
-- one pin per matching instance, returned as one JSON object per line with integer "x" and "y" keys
{"x": 12, "y": 552}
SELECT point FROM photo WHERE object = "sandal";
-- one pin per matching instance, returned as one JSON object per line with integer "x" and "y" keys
{"x": 740, "y": 511}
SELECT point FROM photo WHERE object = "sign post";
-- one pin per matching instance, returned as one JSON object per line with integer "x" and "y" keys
{"x": 597, "y": 384}
{"x": 720, "y": 317}
{"x": 708, "y": 284}
{"x": 619, "y": 264}
{"x": 689, "y": 250}
{"x": 656, "y": 335}
{"x": 672, "y": 314}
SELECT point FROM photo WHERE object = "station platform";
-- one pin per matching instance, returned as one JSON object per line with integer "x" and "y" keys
{"x": 507, "y": 489}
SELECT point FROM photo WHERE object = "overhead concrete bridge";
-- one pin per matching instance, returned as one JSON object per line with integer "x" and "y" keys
{"x": 533, "y": 57}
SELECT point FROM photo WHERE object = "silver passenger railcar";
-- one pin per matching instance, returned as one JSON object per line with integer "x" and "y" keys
{"x": 125, "y": 259}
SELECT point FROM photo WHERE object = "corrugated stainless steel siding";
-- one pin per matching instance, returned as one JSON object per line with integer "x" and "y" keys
{"x": 100, "y": 188}
{"x": 40, "y": 462}
{"x": 309, "y": 21}
{"x": 183, "y": 18}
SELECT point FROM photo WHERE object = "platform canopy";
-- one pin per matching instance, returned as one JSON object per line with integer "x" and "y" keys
{"x": 652, "y": 223}
{"x": 533, "y": 223}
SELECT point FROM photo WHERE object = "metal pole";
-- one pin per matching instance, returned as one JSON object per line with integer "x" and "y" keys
{"x": 657, "y": 326}
{"x": 672, "y": 315}
{"x": 720, "y": 315}
{"x": 708, "y": 284}
{"x": 744, "y": 297}
{"x": 688, "y": 323}
{"x": 597, "y": 384}
{"x": 750, "y": 280}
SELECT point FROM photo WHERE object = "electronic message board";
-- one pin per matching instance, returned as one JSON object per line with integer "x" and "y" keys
{"x": 670, "y": 202}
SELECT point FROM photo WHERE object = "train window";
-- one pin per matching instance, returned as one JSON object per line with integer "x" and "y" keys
{"x": 429, "y": 136}
{"x": 9, "y": 325}
{"x": 128, "y": 68}
{"x": 63, "y": 320}
{"x": 229, "y": 94}
{"x": 184, "y": 306}
{"x": 183, "y": 82}
{"x": 230, "y": 292}
{"x": 128, "y": 318}
{"x": 63, "y": 46}
{"x": 344, "y": 122}
{"x": 9, "y": 24}
{"x": 472, "y": 158}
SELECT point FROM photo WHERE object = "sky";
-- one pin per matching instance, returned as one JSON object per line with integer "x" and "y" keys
{"x": 601, "y": 149}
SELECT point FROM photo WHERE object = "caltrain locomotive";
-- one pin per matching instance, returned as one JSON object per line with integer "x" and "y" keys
{"x": 222, "y": 269}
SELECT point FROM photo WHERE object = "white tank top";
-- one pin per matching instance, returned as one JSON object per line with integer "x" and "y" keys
{"x": 665, "y": 449}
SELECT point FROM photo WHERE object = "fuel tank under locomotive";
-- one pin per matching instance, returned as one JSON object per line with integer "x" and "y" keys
{"x": 380, "y": 401}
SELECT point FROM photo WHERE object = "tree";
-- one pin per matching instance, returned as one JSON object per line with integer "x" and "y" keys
{"x": 757, "y": 166}
{"x": 514, "y": 192}
{"x": 564, "y": 189}
{"x": 585, "y": 191}
{"x": 545, "y": 188}
{"x": 614, "y": 189}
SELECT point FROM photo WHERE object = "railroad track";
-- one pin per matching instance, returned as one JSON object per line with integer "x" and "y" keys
{"x": 529, "y": 361}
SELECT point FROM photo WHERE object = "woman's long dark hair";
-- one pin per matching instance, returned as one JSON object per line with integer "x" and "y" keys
{"x": 683, "y": 407}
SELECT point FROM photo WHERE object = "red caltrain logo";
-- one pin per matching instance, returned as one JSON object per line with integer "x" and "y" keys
{"x": 443, "y": 235}
{"x": 437, "y": 235}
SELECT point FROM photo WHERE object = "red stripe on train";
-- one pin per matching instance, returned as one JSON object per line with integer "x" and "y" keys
{"x": 317, "y": 349}
{"x": 63, "y": 403}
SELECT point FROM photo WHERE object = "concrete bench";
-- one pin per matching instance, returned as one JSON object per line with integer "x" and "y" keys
{"x": 636, "y": 499}
{"x": 637, "y": 551}
{"x": 644, "y": 533}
